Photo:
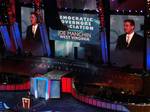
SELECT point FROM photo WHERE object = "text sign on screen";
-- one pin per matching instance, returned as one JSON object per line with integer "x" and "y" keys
{"x": 81, "y": 28}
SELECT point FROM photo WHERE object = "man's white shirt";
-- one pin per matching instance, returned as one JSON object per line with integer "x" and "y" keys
{"x": 129, "y": 37}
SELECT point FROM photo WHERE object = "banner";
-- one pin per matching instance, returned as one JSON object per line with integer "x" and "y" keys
{"x": 81, "y": 28}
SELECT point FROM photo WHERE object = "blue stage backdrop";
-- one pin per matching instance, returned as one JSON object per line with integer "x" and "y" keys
{"x": 148, "y": 55}
{"x": 81, "y": 28}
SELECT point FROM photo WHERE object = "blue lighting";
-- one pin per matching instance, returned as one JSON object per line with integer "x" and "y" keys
{"x": 6, "y": 38}
{"x": 45, "y": 41}
{"x": 16, "y": 36}
{"x": 104, "y": 47}
{"x": 148, "y": 54}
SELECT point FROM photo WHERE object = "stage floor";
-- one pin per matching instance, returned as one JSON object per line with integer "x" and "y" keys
{"x": 66, "y": 104}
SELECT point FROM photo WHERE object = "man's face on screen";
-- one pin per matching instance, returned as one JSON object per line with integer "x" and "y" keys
{"x": 128, "y": 28}
{"x": 33, "y": 19}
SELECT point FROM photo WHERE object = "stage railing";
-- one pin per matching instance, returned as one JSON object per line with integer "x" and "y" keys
{"x": 15, "y": 87}
{"x": 69, "y": 87}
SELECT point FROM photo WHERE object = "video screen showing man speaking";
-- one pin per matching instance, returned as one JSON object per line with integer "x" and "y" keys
{"x": 32, "y": 41}
{"x": 127, "y": 40}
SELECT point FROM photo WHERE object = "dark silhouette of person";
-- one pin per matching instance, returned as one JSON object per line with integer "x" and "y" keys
{"x": 130, "y": 40}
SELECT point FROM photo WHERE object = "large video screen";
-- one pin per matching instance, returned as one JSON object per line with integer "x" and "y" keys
{"x": 127, "y": 4}
{"x": 81, "y": 28}
{"x": 82, "y": 39}
{"x": 127, "y": 40}
{"x": 77, "y": 4}
{"x": 31, "y": 44}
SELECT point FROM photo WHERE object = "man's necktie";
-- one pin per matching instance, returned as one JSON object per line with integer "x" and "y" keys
{"x": 33, "y": 30}
{"x": 128, "y": 40}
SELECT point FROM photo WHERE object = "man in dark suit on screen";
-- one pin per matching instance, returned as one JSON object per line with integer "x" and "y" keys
{"x": 33, "y": 31}
{"x": 33, "y": 36}
{"x": 130, "y": 40}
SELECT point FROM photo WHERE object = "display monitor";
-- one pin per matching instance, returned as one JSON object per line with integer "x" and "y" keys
{"x": 31, "y": 36}
{"x": 127, "y": 40}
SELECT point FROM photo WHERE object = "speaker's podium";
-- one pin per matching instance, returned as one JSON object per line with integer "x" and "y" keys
{"x": 48, "y": 85}
{"x": 26, "y": 103}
